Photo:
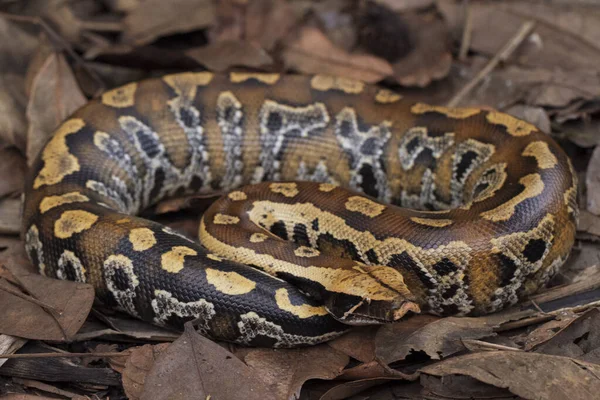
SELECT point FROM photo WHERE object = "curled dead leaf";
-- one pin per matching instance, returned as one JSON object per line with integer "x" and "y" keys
{"x": 311, "y": 52}
{"x": 285, "y": 371}
{"x": 137, "y": 366}
{"x": 12, "y": 171}
{"x": 592, "y": 182}
{"x": 54, "y": 96}
{"x": 152, "y": 19}
{"x": 224, "y": 55}
{"x": 438, "y": 338}
{"x": 195, "y": 367}
{"x": 523, "y": 374}
{"x": 49, "y": 309}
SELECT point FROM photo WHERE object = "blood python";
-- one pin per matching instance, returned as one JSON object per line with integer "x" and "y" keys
{"x": 363, "y": 206}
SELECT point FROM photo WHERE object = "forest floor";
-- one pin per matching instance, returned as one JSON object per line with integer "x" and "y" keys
{"x": 537, "y": 60}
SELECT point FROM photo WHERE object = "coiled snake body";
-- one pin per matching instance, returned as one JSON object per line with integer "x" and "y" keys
{"x": 489, "y": 205}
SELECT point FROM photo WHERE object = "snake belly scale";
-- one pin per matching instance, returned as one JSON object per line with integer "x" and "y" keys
{"x": 345, "y": 205}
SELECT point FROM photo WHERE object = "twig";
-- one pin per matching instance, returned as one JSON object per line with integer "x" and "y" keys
{"x": 65, "y": 355}
{"x": 465, "y": 42}
{"x": 474, "y": 345}
{"x": 537, "y": 307}
{"x": 502, "y": 55}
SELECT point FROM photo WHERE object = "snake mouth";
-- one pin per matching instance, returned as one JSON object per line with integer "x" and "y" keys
{"x": 368, "y": 312}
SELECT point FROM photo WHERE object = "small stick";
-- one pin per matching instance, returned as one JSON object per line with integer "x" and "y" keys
{"x": 465, "y": 42}
{"x": 502, "y": 55}
{"x": 65, "y": 355}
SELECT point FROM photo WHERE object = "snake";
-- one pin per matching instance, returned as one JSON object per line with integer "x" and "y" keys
{"x": 342, "y": 203}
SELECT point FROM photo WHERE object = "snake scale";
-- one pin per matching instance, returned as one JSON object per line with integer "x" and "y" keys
{"x": 346, "y": 205}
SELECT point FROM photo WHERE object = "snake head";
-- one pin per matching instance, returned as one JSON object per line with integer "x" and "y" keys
{"x": 370, "y": 301}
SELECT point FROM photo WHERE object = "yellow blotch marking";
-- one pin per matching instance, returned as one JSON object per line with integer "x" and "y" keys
{"x": 237, "y": 196}
{"x": 123, "y": 221}
{"x": 327, "y": 187}
{"x": 229, "y": 282}
{"x": 437, "y": 223}
{"x": 186, "y": 84}
{"x": 73, "y": 221}
{"x": 222, "y": 219}
{"x": 50, "y": 202}
{"x": 172, "y": 261}
{"x": 214, "y": 257}
{"x": 258, "y": 237}
{"x": 120, "y": 97}
{"x": 142, "y": 239}
{"x": 387, "y": 96}
{"x": 364, "y": 206}
{"x": 286, "y": 189}
{"x": 346, "y": 85}
{"x": 282, "y": 298}
{"x": 533, "y": 187}
{"x": 458, "y": 113}
{"x": 269, "y": 79}
{"x": 542, "y": 153}
{"x": 304, "y": 251}
{"x": 58, "y": 162}
{"x": 366, "y": 285}
{"x": 514, "y": 126}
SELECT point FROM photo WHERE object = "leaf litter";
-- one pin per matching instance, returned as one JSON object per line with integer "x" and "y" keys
{"x": 62, "y": 53}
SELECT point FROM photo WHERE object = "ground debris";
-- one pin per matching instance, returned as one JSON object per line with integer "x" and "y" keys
{"x": 536, "y": 60}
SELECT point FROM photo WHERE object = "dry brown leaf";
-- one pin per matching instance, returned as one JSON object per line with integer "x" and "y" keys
{"x": 54, "y": 96}
{"x": 10, "y": 216}
{"x": 528, "y": 375}
{"x": 195, "y": 367}
{"x": 224, "y": 55}
{"x": 285, "y": 371}
{"x": 582, "y": 132}
{"x": 592, "y": 182}
{"x": 551, "y": 87}
{"x": 137, "y": 367}
{"x": 15, "y": 55}
{"x": 12, "y": 171}
{"x": 461, "y": 387}
{"x": 577, "y": 339}
{"x": 438, "y": 338}
{"x": 124, "y": 327}
{"x": 359, "y": 343}
{"x": 311, "y": 52}
{"x": 546, "y": 331}
{"x": 494, "y": 23}
{"x": 24, "y": 396}
{"x": 71, "y": 302}
{"x": 349, "y": 389}
{"x": 430, "y": 58}
{"x": 589, "y": 223}
{"x": 155, "y": 18}
{"x": 268, "y": 22}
